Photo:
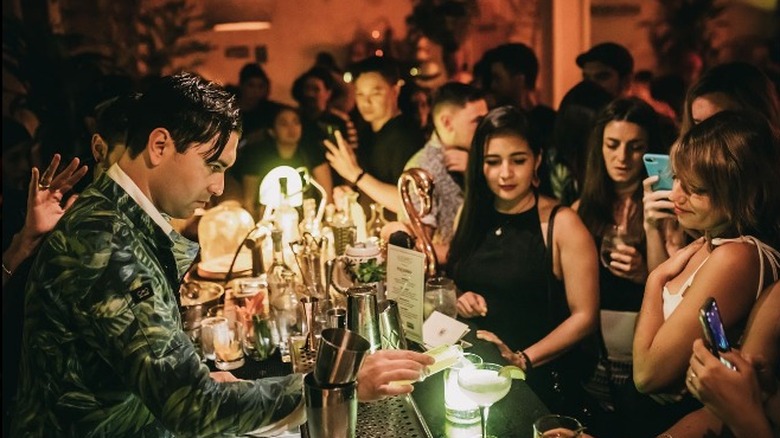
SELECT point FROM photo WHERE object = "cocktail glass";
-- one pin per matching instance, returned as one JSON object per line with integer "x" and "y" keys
{"x": 483, "y": 385}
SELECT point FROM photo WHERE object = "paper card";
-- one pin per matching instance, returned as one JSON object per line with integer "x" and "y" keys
{"x": 405, "y": 284}
{"x": 440, "y": 329}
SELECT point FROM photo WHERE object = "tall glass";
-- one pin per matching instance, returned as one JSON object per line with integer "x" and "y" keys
{"x": 440, "y": 295}
{"x": 613, "y": 236}
{"x": 484, "y": 386}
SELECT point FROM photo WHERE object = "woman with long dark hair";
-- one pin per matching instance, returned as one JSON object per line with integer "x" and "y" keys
{"x": 611, "y": 208}
{"x": 533, "y": 294}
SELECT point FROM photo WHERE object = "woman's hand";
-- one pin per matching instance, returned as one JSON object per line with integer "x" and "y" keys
{"x": 676, "y": 263}
{"x": 627, "y": 262}
{"x": 656, "y": 204}
{"x": 45, "y": 194}
{"x": 471, "y": 305}
{"x": 385, "y": 366}
{"x": 727, "y": 393}
{"x": 506, "y": 352}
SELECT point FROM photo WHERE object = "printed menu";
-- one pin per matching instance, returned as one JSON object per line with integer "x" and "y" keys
{"x": 405, "y": 285}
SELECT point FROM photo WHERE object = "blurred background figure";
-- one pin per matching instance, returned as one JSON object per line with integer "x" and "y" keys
{"x": 609, "y": 65}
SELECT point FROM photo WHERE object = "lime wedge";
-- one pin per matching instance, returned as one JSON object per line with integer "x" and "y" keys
{"x": 512, "y": 372}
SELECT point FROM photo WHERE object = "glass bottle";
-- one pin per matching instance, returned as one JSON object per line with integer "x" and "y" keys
{"x": 285, "y": 308}
{"x": 377, "y": 221}
{"x": 358, "y": 216}
{"x": 286, "y": 216}
{"x": 278, "y": 269}
{"x": 310, "y": 224}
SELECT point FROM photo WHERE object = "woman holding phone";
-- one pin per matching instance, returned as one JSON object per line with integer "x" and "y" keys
{"x": 726, "y": 168}
{"x": 611, "y": 209}
{"x": 737, "y": 86}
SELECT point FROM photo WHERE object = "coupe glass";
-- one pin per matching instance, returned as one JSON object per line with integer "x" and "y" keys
{"x": 483, "y": 385}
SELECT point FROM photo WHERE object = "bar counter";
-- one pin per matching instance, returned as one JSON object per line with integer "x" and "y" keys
{"x": 422, "y": 414}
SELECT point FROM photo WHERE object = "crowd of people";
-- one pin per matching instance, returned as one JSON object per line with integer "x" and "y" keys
{"x": 526, "y": 204}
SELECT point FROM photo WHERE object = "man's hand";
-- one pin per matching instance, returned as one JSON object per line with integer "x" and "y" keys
{"x": 456, "y": 159}
{"x": 342, "y": 158}
{"x": 385, "y": 366}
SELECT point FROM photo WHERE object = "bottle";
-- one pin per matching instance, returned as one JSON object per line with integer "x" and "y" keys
{"x": 278, "y": 269}
{"x": 377, "y": 221}
{"x": 358, "y": 216}
{"x": 286, "y": 216}
{"x": 309, "y": 224}
{"x": 285, "y": 308}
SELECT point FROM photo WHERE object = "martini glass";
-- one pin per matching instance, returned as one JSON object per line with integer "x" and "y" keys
{"x": 484, "y": 386}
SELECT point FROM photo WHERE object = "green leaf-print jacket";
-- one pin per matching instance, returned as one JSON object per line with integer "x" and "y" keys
{"x": 104, "y": 353}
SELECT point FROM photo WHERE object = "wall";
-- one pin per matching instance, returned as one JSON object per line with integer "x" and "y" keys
{"x": 626, "y": 22}
{"x": 300, "y": 29}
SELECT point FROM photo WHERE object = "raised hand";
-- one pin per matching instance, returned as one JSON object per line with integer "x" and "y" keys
{"x": 45, "y": 194}
{"x": 657, "y": 206}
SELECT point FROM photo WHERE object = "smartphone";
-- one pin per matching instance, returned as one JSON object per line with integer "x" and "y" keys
{"x": 658, "y": 164}
{"x": 714, "y": 333}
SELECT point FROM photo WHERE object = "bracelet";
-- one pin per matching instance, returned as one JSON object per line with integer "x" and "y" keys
{"x": 7, "y": 271}
{"x": 528, "y": 364}
{"x": 357, "y": 180}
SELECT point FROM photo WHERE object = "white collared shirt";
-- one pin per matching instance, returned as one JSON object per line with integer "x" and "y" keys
{"x": 120, "y": 177}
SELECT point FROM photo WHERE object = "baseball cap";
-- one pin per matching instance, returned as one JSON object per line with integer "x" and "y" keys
{"x": 611, "y": 54}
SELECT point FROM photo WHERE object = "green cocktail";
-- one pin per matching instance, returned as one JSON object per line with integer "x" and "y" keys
{"x": 484, "y": 385}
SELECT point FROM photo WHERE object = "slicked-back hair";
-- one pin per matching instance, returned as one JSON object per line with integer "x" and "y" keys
{"x": 192, "y": 109}
{"x": 112, "y": 117}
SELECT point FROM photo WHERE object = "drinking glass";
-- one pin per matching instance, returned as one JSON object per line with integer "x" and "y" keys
{"x": 483, "y": 385}
{"x": 613, "y": 236}
{"x": 440, "y": 295}
{"x": 207, "y": 327}
{"x": 557, "y": 426}
{"x": 457, "y": 407}
{"x": 228, "y": 344}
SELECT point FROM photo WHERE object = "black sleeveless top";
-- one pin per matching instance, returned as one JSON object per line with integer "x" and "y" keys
{"x": 508, "y": 268}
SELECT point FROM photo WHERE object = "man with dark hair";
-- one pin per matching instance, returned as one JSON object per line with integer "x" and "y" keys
{"x": 110, "y": 137}
{"x": 375, "y": 169}
{"x": 104, "y": 353}
{"x": 513, "y": 72}
{"x": 457, "y": 110}
{"x": 257, "y": 110}
{"x": 609, "y": 65}
{"x": 512, "y": 81}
